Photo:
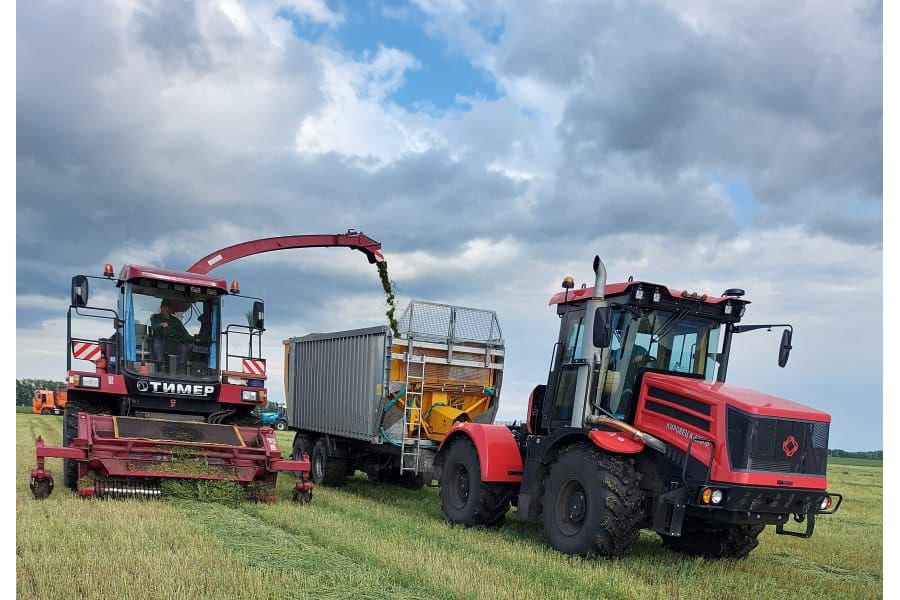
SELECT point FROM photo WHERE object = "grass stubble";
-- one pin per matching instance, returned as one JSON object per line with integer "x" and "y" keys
{"x": 377, "y": 541}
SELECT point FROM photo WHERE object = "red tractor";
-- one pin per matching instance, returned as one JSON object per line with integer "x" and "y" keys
{"x": 170, "y": 391}
{"x": 637, "y": 429}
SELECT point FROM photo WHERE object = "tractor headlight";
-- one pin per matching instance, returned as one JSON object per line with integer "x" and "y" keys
{"x": 716, "y": 497}
{"x": 249, "y": 395}
{"x": 826, "y": 503}
{"x": 91, "y": 382}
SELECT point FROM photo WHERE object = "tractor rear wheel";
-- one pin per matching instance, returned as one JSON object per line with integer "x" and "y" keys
{"x": 465, "y": 498}
{"x": 74, "y": 406}
{"x": 591, "y": 503}
{"x": 327, "y": 471}
{"x": 700, "y": 539}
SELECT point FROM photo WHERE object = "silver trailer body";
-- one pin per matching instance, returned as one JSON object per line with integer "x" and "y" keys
{"x": 336, "y": 382}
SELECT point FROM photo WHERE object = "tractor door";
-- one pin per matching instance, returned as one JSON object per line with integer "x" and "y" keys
{"x": 560, "y": 397}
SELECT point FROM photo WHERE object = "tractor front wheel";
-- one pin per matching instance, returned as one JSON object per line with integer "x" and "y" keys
{"x": 327, "y": 471}
{"x": 697, "y": 539}
{"x": 591, "y": 503}
{"x": 465, "y": 498}
{"x": 280, "y": 425}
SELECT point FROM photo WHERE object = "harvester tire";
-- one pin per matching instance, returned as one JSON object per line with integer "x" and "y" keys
{"x": 70, "y": 432}
{"x": 327, "y": 471}
{"x": 591, "y": 505}
{"x": 698, "y": 539}
{"x": 465, "y": 498}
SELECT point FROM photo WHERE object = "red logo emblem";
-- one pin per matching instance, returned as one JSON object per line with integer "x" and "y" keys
{"x": 790, "y": 446}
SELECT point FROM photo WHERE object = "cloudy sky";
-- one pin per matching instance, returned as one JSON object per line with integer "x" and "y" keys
{"x": 492, "y": 147}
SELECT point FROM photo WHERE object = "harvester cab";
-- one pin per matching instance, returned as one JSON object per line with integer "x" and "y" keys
{"x": 636, "y": 428}
{"x": 163, "y": 388}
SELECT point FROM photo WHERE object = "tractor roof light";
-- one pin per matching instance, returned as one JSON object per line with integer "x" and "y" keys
{"x": 235, "y": 287}
{"x": 639, "y": 293}
{"x": 568, "y": 283}
{"x": 108, "y": 270}
{"x": 728, "y": 308}
{"x": 656, "y": 295}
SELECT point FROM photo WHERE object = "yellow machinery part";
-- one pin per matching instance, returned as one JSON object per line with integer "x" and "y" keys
{"x": 440, "y": 420}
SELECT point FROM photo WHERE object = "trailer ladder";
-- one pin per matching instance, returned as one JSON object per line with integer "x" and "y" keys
{"x": 411, "y": 444}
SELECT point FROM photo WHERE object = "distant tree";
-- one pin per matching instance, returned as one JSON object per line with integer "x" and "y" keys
{"x": 870, "y": 454}
{"x": 25, "y": 388}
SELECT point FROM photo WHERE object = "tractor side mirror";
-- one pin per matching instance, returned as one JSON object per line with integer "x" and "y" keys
{"x": 784, "y": 351}
{"x": 602, "y": 329}
{"x": 259, "y": 315}
{"x": 79, "y": 290}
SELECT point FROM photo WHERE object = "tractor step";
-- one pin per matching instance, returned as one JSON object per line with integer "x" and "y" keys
{"x": 668, "y": 517}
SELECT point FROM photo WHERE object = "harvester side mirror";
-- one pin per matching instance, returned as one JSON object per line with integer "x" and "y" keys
{"x": 784, "y": 351}
{"x": 259, "y": 315}
{"x": 602, "y": 328}
{"x": 79, "y": 290}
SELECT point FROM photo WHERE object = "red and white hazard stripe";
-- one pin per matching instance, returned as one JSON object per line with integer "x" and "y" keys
{"x": 86, "y": 350}
{"x": 254, "y": 366}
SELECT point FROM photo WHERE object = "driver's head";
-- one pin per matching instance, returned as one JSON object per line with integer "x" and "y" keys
{"x": 166, "y": 308}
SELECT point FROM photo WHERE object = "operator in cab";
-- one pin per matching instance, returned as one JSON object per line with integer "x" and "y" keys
{"x": 169, "y": 334}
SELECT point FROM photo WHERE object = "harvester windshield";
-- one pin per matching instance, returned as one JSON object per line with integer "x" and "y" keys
{"x": 171, "y": 331}
{"x": 656, "y": 339}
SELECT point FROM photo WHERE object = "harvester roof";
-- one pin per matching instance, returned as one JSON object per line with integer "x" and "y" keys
{"x": 132, "y": 272}
{"x": 617, "y": 289}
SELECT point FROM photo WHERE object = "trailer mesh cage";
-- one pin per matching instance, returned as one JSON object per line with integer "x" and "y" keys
{"x": 440, "y": 322}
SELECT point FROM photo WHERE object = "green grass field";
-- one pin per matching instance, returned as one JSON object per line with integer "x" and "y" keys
{"x": 368, "y": 541}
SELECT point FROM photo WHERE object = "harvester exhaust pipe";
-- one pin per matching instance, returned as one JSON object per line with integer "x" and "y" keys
{"x": 599, "y": 278}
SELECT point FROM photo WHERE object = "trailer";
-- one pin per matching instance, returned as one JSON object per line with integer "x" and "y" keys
{"x": 371, "y": 400}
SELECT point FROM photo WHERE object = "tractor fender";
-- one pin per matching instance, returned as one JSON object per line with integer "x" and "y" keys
{"x": 498, "y": 452}
{"x": 615, "y": 442}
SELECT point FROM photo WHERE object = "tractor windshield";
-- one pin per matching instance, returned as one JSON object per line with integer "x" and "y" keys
{"x": 171, "y": 331}
{"x": 655, "y": 339}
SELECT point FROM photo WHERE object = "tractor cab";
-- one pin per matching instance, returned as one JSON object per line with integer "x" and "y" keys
{"x": 650, "y": 327}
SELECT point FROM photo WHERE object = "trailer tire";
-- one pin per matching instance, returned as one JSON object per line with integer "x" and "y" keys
{"x": 327, "y": 471}
{"x": 74, "y": 406}
{"x": 698, "y": 539}
{"x": 591, "y": 504}
{"x": 465, "y": 498}
{"x": 302, "y": 445}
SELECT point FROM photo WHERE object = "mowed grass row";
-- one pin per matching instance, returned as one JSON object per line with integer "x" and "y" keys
{"x": 379, "y": 541}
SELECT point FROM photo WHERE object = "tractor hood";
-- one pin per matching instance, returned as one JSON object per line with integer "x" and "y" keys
{"x": 745, "y": 399}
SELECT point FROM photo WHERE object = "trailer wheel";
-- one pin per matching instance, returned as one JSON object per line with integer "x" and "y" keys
{"x": 74, "y": 406}
{"x": 465, "y": 499}
{"x": 698, "y": 539}
{"x": 302, "y": 445}
{"x": 327, "y": 471}
{"x": 591, "y": 503}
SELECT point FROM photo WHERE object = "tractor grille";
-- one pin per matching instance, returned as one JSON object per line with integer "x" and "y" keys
{"x": 177, "y": 431}
{"x": 776, "y": 445}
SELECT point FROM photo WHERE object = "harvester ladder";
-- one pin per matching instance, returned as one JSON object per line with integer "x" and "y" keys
{"x": 411, "y": 443}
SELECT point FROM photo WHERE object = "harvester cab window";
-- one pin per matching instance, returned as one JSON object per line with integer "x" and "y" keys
{"x": 170, "y": 331}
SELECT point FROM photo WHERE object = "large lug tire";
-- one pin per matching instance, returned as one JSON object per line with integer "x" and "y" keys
{"x": 465, "y": 498}
{"x": 714, "y": 542}
{"x": 244, "y": 419}
{"x": 327, "y": 471}
{"x": 280, "y": 425}
{"x": 70, "y": 432}
{"x": 302, "y": 445}
{"x": 592, "y": 504}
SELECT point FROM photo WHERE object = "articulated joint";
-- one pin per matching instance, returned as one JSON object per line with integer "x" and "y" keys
{"x": 635, "y": 433}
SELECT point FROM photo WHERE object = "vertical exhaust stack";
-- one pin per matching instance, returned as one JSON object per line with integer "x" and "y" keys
{"x": 593, "y": 357}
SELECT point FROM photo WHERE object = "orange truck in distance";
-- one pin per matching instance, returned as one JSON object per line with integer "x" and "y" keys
{"x": 48, "y": 402}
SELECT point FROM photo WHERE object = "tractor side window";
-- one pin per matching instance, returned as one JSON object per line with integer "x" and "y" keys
{"x": 574, "y": 340}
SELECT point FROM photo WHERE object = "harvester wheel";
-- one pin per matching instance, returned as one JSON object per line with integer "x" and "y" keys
{"x": 591, "y": 503}
{"x": 41, "y": 488}
{"x": 327, "y": 471}
{"x": 74, "y": 406}
{"x": 302, "y": 496}
{"x": 698, "y": 539}
{"x": 465, "y": 498}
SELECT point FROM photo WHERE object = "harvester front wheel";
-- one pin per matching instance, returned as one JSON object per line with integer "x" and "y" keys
{"x": 591, "y": 503}
{"x": 327, "y": 471}
{"x": 696, "y": 539}
{"x": 74, "y": 406}
{"x": 465, "y": 498}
